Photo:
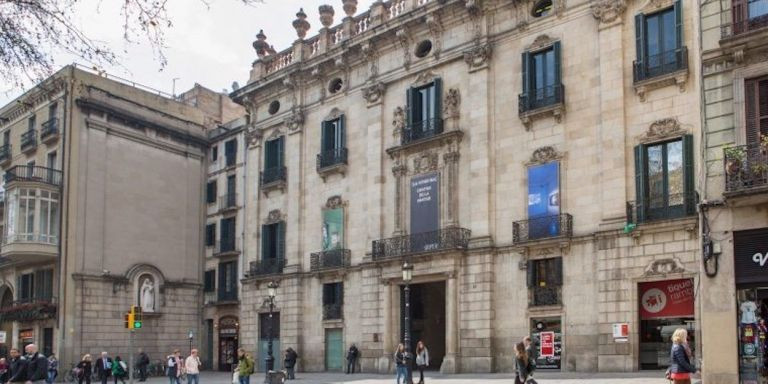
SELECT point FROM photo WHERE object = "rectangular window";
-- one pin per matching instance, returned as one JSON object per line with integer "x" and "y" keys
{"x": 49, "y": 217}
{"x": 31, "y": 123}
{"x": 231, "y": 185}
{"x": 273, "y": 241}
{"x": 26, "y": 285}
{"x": 210, "y": 234}
{"x": 756, "y": 110}
{"x": 544, "y": 200}
{"x": 214, "y": 153}
{"x": 52, "y": 109}
{"x": 269, "y": 326}
{"x": 541, "y": 78}
{"x": 228, "y": 281}
{"x": 664, "y": 179}
{"x": 333, "y": 134}
{"x": 659, "y": 43}
{"x": 230, "y": 152}
{"x": 273, "y": 153}
{"x": 43, "y": 283}
{"x": 424, "y": 112}
{"x": 26, "y": 225}
{"x": 544, "y": 280}
{"x": 228, "y": 234}
{"x": 333, "y": 295}
{"x": 7, "y": 137}
{"x": 210, "y": 281}
{"x": 210, "y": 192}
{"x": 333, "y": 229}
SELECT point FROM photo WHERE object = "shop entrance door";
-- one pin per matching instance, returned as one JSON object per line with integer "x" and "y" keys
{"x": 228, "y": 343}
{"x": 548, "y": 354}
{"x": 664, "y": 307}
{"x": 334, "y": 350}
{"x": 751, "y": 267}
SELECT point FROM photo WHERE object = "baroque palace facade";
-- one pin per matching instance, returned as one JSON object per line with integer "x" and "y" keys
{"x": 535, "y": 161}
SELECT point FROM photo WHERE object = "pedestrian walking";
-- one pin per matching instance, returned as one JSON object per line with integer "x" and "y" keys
{"x": 192, "y": 367}
{"x": 401, "y": 360}
{"x": 244, "y": 366}
{"x": 37, "y": 365}
{"x": 85, "y": 370}
{"x": 142, "y": 362}
{"x": 531, "y": 351}
{"x": 422, "y": 359}
{"x": 174, "y": 367}
{"x": 3, "y": 370}
{"x": 17, "y": 369}
{"x": 104, "y": 367}
{"x": 522, "y": 362}
{"x": 53, "y": 368}
{"x": 680, "y": 367}
{"x": 290, "y": 363}
{"x": 119, "y": 370}
{"x": 352, "y": 355}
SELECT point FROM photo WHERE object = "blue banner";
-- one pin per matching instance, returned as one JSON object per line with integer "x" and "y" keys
{"x": 544, "y": 200}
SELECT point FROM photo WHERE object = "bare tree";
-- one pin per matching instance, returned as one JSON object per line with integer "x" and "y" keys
{"x": 32, "y": 30}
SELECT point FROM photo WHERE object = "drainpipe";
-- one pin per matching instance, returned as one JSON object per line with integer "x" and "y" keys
{"x": 61, "y": 313}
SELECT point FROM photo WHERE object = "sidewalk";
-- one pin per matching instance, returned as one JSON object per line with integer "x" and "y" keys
{"x": 653, "y": 377}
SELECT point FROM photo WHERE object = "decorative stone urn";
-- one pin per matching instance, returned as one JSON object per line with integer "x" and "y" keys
{"x": 260, "y": 45}
{"x": 350, "y": 7}
{"x": 301, "y": 25}
{"x": 326, "y": 15}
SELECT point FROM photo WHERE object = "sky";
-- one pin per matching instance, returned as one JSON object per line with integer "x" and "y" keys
{"x": 209, "y": 42}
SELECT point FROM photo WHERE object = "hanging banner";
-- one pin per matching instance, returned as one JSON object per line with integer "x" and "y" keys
{"x": 425, "y": 213}
{"x": 668, "y": 298}
{"x": 543, "y": 199}
{"x": 333, "y": 229}
{"x": 547, "y": 345}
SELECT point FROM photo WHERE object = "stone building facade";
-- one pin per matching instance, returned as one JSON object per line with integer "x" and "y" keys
{"x": 734, "y": 287}
{"x": 104, "y": 183}
{"x": 535, "y": 161}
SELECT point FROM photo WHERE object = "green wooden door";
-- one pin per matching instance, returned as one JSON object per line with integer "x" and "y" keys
{"x": 334, "y": 350}
{"x": 277, "y": 353}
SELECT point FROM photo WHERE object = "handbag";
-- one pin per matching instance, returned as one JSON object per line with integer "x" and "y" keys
{"x": 235, "y": 377}
{"x": 668, "y": 374}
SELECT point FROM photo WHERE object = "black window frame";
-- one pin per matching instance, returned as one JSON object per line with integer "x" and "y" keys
{"x": 418, "y": 126}
{"x": 210, "y": 234}
{"x": 534, "y": 97}
{"x": 333, "y": 300}
{"x": 227, "y": 288}
{"x": 230, "y": 152}
{"x": 210, "y": 191}
{"x": 273, "y": 241}
{"x": 228, "y": 234}
{"x": 209, "y": 281}
{"x": 214, "y": 152}
{"x": 274, "y": 153}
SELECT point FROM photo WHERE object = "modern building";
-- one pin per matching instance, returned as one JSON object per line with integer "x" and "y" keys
{"x": 104, "y": 190}
{"x": 734, "y": 282}
{"x": 536, "y": 162}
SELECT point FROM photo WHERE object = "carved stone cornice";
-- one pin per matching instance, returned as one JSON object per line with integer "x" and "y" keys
{"x": 334, "y": 202}
{"x": 451, "y": 157}
{"x": 373, "y": 92}
{"x": 452, "y": 103}
{"x": 544, "y": 155}
{"x": 399, "y": 170}
{"x": 608, "y": 11}
{"x": 541, "y": 42}
{"x": 425, "y": 162}
{"x": 334, "y": 114}
{"x": 664, "y": 267}
{"x": 478, "y": 57}
{"x": 295, "y": 121}
{"x": 274, "y": 216}
{"x": 398, "y": 121}
{"x": 661, "y": 130}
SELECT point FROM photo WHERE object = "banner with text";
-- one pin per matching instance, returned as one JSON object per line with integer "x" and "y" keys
{"x": 664, "y": 299}
{"x": 425, "y": 212}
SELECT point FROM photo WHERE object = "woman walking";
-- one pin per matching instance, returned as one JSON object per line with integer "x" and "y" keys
{"x": 119, "y": 370}
{"x": 401, "y": 359}
{"x": 53, "y": 368}
{"x": 174, "y": 367}
{"x": 523, "y": 363}
{"x": 422, "y": 359}
{"x": 85, "y": 370}
{"x": 680, "y": 367}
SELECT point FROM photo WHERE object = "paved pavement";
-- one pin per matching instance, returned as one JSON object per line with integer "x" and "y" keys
{"x": 653, "y": 377}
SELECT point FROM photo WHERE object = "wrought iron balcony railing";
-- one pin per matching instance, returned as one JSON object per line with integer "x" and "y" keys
{"x": 743, "y": 26}
{"x": 228, "y": 201}
{"x": 5, "y": 152}
{"x": 435, "y": 241}
{"x": 661, "y": 64}
{"x": 225, "y": 247}
{"x": 30, "y": 309}
{"x": 224, "y": 296}
{"x": 540, "y": 296}
{"x": 540, "y": 228}
{"x": 272, "y": 175}
{"x": 333, "y": 259}
{"x": 230, "y": 160}
{"x": 33, "y": 173}
{"x": 541, "y": 97}
{"x": 421, "y": 130}
{"x": 49, "y": 128}
{"x": 267, "y": 267}
{"x": 332, "y": 311}
{"x": 746, "y": 167}
{"x": 29, "y": 139}
{"x": 331, "y": 157}
{"x": 672, "y": 207}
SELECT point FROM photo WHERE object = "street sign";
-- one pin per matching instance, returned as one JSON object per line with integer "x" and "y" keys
{"x": 547, "y": 344}
{"x": 2, "y": 337}
{"x": 621, "y": 332}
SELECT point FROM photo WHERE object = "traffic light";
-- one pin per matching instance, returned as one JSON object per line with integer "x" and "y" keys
{"x": 128, "y": 320}
{"x": 136, "y": 315}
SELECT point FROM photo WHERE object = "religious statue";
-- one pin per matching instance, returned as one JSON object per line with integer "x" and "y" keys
{"x": 147, "y": 295}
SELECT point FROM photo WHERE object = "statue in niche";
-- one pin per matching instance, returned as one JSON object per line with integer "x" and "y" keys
{"x": 147, "y": 295}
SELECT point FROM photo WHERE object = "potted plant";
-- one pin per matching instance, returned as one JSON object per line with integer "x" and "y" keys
{"x": 734, "y": 158}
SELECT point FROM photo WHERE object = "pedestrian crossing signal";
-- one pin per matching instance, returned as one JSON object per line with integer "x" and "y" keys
{"x": 137, "y": 316}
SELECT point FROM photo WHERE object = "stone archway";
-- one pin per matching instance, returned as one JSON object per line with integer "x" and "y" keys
{"x": 6, "y": 300}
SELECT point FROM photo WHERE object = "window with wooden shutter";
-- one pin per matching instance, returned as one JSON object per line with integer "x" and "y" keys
{"x": 210, "y": 281}
{"x": 424, "y": 112}
{"x": 659, "y": 43}
{"x": 230, "y": 152}
{"x": 756, "y": 110}
{"x": 542, "y": 80}
{"x": 210, "y": 234}
{"x": 210, "y": 192}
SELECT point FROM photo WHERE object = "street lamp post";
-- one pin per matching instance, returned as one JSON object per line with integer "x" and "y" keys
{"x": 407, "y": 276}
{"x": 270, "y": 360}
{"x": 191, "y": 336}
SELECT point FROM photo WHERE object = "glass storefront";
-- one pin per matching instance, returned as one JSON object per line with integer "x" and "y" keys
{"x": 551, "y": 325}
{"x": 665, "y": 306}
{"x": 751, "y": 272}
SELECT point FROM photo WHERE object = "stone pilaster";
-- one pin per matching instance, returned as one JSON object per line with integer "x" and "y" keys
{"x": 450, "y": 361}
{"x": 476, "y": 314}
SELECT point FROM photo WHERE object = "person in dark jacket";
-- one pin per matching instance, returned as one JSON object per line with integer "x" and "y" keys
{"x": 3, "y": 370}
{"x": 86, "y": 369}
{"x": 352, "y": 355}
{"x": 53, "y": 369}
{"x": 522, "y": 362}
{"x": 104, "y": 367}
{"x": 401, "y": 363}
{"x": 17, "y": 373}
{"x": 680, "y": 367}
{"x": 290, "y": 363}
{"x": 142, "y": 362}
{"x": 37, "y": 365}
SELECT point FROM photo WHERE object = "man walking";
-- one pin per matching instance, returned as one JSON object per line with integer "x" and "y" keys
{"x": 17, "y": 373}
{"x": 104, "y": 367}
{"x": 37, "y": 365}
{"x": 142, "y": 362}
{"x": 192, "y": 367}
{"x": 244, "y": 366}
{"x": 352, "y": 354}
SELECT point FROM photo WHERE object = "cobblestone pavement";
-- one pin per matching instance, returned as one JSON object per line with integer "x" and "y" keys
{"x": 653, "y": 377}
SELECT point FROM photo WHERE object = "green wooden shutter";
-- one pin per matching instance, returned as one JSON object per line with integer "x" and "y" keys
{"x": 640, "y": 195}
{"x": 265, "y": 242}
{"x": 640, "y": 41}
{"x": 339, "y": 293}
{"x": 531, "y": 274}
{"x": 527, "y": 86}
{"x": 558, "y": 272}
{"x": 281, "y": 151}
{"x": 752, "y": 111}
{"x": 268, "y": 155}
{"x": 437, "y": 104}
{"x": 558, "y": 64}
{"x": 410, "y": 108}
{"x": 689, "y": 187}
{"x": 19, "y": 287}
{"x": 340, "y": 133}
{"x": 327, "y": 289}
{"x": 324, "y": 136}
{"x": 679, "y": 23}
{"x": 281, "y": 240}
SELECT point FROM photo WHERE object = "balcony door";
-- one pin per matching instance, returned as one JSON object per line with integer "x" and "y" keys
{"x": 228, "y": 234}
{"x": 665, "y": 180}
{"x": 424, "y": 111}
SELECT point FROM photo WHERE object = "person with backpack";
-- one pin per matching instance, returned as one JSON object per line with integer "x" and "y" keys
{"x": 244, "y": 366}
{"x": 119, "y": 370}
{"x": 522, "y": 362}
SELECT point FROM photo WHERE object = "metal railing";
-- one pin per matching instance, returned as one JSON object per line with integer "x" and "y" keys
{"x": 743, "y": 26}
{"x": 332, "y": 311}
{"x": 672, "y": 206}
{"x": 421, "y": 130}
{"x": 541, "y": 97}
{"x": 545, "y": 227}
{"x": 228, "y": 201}
{"x": 5, "y": 152}
{"x": 267, "y": 266}
{"x": 746, "y": 167}
{"x": 545, "y": 296}
{"x": 272, "y": 175}
{"x": 440, "y": 240}
{"x": 49, "y": 128}
{"x": 31, "y": 238}
{"x": 333, "y": 259}
{"x": 331, "y": 157}
{"x": 29, "y": 309}
{"x": 226, "y": 246}
{"x": 224, "y": 295}
{"x": 661, "y": 64}
{"x": 33, "y": 173}
{"x": 29, "y": 139}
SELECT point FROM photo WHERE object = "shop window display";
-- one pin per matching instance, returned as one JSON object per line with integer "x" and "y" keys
{"x": 753, "y": 335}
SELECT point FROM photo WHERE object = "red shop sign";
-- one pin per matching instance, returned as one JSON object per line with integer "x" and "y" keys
{"x": 547, "y": 344}
{"x": 669, "y": 298}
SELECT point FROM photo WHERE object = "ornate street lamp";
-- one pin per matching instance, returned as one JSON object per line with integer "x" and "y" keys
{"x": 272, "y": 291}
{"x": 407, "y": 276}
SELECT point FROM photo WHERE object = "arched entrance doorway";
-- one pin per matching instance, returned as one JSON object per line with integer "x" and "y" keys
{"x": 228, "y": 332}
{"x": 6, "y": 300}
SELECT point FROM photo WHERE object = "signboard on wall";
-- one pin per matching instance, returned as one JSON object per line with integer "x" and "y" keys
{"x": 750, "y": 253}
{"x": 425, "y": 211}
{"x": 621, "y": 332}
{"x": 543, "y": 199}
{"x": 547, "y": 344}
{"x": 333, "y": 229}
{"x": 3, "y": 337}
{"x": 665, "y": 299}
